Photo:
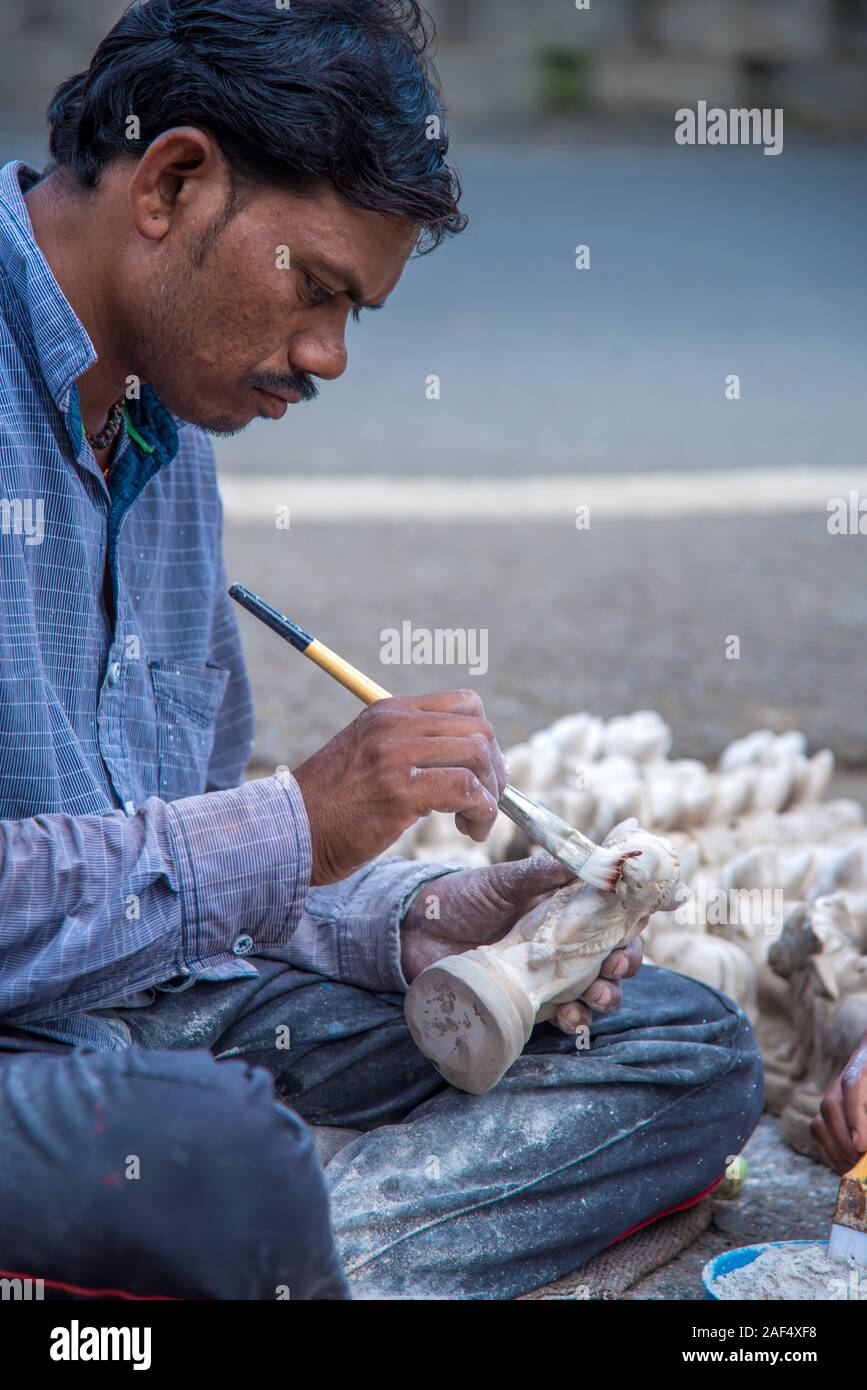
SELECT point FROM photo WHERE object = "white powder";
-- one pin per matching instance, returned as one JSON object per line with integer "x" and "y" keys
{"x": 792, "y": 1272}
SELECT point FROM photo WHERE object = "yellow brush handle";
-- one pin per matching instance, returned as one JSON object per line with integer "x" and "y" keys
{"x": 353, "y": 680}
{"x": 565, "y": 843}
{"x": 559, "y": 838}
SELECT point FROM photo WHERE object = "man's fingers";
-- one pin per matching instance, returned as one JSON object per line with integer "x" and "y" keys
{"x": 623, "y": 964}
{"x": 571, "y": 1017}
{"x": 835, "y": 1123}
{"x": 473, "y": 752}
{"x": 451, "y": 714}
{"x": 400, "y": 759}
{"x": 604, "y": 995}
{"x": 855, "y": 1114}
{"x": 437, "y": 723}
{"x": 521, "y": 881}
{"x": 473, "y": 829}
{"x": 853, "y": 1085}
{"x": 443, "y": 701}
{"x": 823, "y": 1136}
{"x": 458, "y": 791}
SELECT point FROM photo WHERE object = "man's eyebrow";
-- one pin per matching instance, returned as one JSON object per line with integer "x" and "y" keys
{"x": 351, "y": 284}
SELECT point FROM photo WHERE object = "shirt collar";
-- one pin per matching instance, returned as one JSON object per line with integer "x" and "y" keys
{"x": 60, "y": 340}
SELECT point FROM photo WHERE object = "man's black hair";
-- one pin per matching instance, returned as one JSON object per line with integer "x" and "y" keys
{"x": 339, "y": 92}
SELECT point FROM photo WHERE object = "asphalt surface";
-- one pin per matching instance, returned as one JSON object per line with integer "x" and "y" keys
{"x": 626, "y": 615}
{"x": 703, "y": 264}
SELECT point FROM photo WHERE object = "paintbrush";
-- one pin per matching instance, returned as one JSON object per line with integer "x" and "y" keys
{"x": 849, "y": 1231}
{"x": 594, "y": 863}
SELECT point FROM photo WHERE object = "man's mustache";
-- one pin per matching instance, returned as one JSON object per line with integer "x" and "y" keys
{"x": 302, "y": 384}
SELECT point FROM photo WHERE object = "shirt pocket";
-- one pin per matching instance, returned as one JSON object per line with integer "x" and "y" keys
{"x": 187, "y": 699}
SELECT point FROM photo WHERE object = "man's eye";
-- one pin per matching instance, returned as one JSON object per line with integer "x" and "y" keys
{"x": 316, "y": 293}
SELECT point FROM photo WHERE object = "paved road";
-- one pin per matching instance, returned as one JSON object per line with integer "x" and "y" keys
{"x": 702, "y": 264}
{"x": 623, "y": 616}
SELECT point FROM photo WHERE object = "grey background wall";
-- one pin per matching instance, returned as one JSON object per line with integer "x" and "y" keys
{"x": 508, "y": 61}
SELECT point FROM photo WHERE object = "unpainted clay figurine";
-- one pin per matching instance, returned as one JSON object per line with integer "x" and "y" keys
{"x": 756, "y": 834}
{"x": 821, "y": 955}
{"x": 714, "y": 960}
{"x": 472, "y": 1013}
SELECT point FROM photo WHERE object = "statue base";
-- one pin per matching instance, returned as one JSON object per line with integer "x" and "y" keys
{"x": 468, "y": 1019}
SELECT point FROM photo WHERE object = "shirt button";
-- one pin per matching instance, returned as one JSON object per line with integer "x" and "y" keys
{"x": 129, "y": 807}
{"x": 243, "y": 946}
{"x": 114, "y": 673}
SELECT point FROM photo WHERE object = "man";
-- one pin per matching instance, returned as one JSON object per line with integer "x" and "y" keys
{"x": 229, "y": 181}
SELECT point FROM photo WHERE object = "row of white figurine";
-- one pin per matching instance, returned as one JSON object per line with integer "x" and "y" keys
{"x": 745, "y": 881}
{"x": 644, "y": 737}
{"x": 595, "y": 774}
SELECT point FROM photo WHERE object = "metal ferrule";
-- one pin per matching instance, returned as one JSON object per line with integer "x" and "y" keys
{"x": 553, "y": 833}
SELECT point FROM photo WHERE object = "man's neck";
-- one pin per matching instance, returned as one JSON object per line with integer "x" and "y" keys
{"x": 66, "y": 231}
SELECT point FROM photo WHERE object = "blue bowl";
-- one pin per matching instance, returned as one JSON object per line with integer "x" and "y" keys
{"x": 737, "y": 1259}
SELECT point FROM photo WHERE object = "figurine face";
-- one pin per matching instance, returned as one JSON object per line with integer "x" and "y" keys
{"x": 652, "y": 879}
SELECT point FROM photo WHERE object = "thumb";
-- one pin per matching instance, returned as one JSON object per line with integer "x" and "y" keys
{"x": 519, "y": 882}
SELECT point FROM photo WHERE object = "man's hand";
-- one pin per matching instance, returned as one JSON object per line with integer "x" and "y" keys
{"x": 400, "y": 759}
{"x": 841, "y": 1125}
{"x": 479, "y": 906}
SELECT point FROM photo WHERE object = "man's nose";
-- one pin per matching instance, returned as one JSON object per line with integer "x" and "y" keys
{"x": 318, "y": 355}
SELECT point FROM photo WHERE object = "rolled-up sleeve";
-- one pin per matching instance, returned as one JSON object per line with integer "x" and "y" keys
{"x": 350, "y": 930}
{"x": 94, "y": 908}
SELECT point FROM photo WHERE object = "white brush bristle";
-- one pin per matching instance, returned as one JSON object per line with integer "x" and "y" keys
{"x": 848, "y": 1245}
{"x": 602, "y": 868}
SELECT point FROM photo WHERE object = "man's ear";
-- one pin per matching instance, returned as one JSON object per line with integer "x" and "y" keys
{"x": 182, "y": 173}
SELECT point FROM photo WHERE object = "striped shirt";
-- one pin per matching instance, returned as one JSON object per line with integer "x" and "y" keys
{"x": 132, "y": 855}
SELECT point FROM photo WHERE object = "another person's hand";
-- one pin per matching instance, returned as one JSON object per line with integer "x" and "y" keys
{"x": 841, "y": 1125}
{"x": 479, "y": 906}
{"x": 400, "y": 759}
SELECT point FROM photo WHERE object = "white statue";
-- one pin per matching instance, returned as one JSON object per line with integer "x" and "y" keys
{"x": 472, "y": 1013}
{"x": 822, "y": 957}
{"x": 595, "y": 774}
{"x": 755, "y": 835}
{"x": 714, "y": 960}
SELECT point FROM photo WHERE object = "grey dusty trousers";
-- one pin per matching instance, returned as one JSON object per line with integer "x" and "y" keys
{"x": 180, "y": 1168}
